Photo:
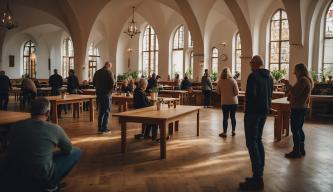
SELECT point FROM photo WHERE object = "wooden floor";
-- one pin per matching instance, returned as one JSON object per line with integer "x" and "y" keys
{"x": 204, "y": 163}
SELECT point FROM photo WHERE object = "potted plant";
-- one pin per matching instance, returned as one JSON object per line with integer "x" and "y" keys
{"x": 314, "y": 75}
{"x": 159, "y": 103}
{"x": 214, "y": 76}
{"x": 323, "y": 77}
{"x": 154, "y": 93}
{"x": 278, "y": 75}
{"x": 329, "y": 74}
{"x": 237, "y": 75}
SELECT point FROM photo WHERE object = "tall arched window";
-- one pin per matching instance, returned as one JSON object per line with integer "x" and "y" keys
{"x": 94, "y": 60}
{"x": 279, "y": 41}
{"x": 328, "y": 40}
{"x": 190, "y": 41}
{"x": 215, "y": 60}
{"x": 29, "y": 59}
{"x": 238, "y": 53}
{"x": 190, "y": 70}
{"x": 150, "y": 51}
{"x": 68, "y": 57}
{"x": 178, "y": 52}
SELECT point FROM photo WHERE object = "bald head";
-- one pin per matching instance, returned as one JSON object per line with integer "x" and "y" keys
{"x": 256, "y": 62}
{"x": 108, "y": 65}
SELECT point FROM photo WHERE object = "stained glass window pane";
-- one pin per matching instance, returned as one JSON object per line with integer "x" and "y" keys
{"x": 275, "y": 52}
{"x": 275, "y": 30}
{"x": 285, "y": 30}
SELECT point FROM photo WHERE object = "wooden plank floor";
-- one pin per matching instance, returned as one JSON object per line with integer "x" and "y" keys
{"x": 204, "y": 163}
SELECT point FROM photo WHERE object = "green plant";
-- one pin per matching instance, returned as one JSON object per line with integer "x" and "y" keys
{"x": 237, "y": 75}
{"x": 189, "y": 73}
{"x": 214, "y": 76}
{"x": 314, "y": 75}
{"x": 278, "y": 74}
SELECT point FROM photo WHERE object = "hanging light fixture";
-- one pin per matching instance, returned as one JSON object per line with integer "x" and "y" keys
{"x": 6, "y": 19}
{"x": 132, "y": 28}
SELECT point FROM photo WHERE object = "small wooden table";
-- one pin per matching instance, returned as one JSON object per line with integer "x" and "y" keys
{"x": 181, "y": 94}
{"x": 71, "y": 99}
{"x": 89, "y": 91}
{"x": 281, "y": 121}
{"x": 152, "y": 116}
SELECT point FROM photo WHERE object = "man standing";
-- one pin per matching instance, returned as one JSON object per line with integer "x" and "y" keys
{"x": 258, "y": 100}
{"x": 103, "y": 81}
{"x": 5, "y": 86}
{"x": 55, "y": 82}
{"x": 31, "y": 161}
{"x": 73, "y": 85}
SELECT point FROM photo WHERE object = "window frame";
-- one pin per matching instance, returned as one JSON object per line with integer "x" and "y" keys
{"x": 67, "y": 58}
{"x": 214, "y": 57}
{"x": 29, "y": 68}
{"x": 237, "y": 50}
{"x": 326, "y": 38}
{"x": 94, "y": 57}
{"x": 151, "y": 50}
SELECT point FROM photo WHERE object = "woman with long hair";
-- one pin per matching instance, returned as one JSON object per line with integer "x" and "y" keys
{"x": 228, "y": 89}
{"x": 299, "y": 103}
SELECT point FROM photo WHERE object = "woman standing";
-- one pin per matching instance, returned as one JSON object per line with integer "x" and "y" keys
{"x": 228, "y": 89}
{"x": 299, "y": 103}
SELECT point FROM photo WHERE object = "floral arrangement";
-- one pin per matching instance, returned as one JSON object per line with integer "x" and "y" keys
{"x": 160, "y": 101}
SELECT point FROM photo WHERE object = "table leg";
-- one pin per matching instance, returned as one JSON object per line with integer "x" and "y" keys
{"x": 54, "y": 114}
{"x": 286, "y": 123}
{"x": 123, "y": 136}
{"x": 176, "y": 126}
{"x": 198, "y": 121}
{"x": 162, "y": 126}
{"x": 91, "y": 110}
{"x": 279, "y": 125}
{"x": 171, "y": 128}
{"x": 125, "y": 106}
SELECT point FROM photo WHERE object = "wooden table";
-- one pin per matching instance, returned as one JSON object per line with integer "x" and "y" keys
{"x": 318, "y": 98}
{"x": 45, "y": 91}
{"x": 152, "y": 116}
{"x": 281, "y": 121}
{"x": 181, "y": 94}
{"x": 8, "y": 118}
{"x": 71, "y": 99}
{"x": 124, "y": 100}
{"x": 89, "y": 91}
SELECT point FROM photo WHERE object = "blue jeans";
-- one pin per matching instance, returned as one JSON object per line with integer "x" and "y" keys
{"x": 296, "y": 121}
{"x": 63, "y": 164}
{"x": 104, "y": 102}
{"x": 229, "y": 110}
{"x": 254, "y": 125}
{"x": 207, "y": 97}
{"x": 4, "y": 98}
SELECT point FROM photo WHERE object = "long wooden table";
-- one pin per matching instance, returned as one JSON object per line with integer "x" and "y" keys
{"x": 281, "y": 121}
{"x": 7, "y": 118}
{"x": 71, "y": 99}
{"x": 152, "y": 116}
{"x": 45, "y": 91}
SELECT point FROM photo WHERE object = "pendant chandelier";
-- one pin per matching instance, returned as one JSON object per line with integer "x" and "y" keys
{"x": 132, "y": 28}
{"x": 6, "y": 19}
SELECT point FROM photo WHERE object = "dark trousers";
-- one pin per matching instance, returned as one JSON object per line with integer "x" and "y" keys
{"x": 229, "y": 111}
{"x": 63, "y": 164}
{"x": 20, "y": 181}
{"x": 56, "y": 92}
{"x": 207, "y": 97}
{"x": 254, "y": 125}
{"x": 27, "y": 97}
{"x": 150, "y": 127}
{"x": 4, "y": 98}
{"x": 297, "y": 120}
{"x": 104, "y": 106}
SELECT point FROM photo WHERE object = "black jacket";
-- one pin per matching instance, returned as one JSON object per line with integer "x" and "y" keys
{"x": 186, "y": 84}
{"x": 259, "y": 90}
{"x": 55, "y": 81}
{"x": 72, "y": 83}
{"x": 140, "y": 99}
{"x": 5, "y": 84}
{"x": 103, "y": 81}
{"x": 152, "y": 82}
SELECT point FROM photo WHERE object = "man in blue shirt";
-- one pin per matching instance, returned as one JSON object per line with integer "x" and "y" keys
{"x": 39, "y": 153}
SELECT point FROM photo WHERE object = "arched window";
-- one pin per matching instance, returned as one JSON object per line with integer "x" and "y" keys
{"x": 68, "y": 57}
{"x": 178, "y": 52}
{"x": 190, "y": 70}
{"x": 94, "y": 57}
{"x": 238, "y": 53}
{"x": 279, "y": 42}
{"x": 150, "y": 51}
{"x": 328, "y": 40}
{"x": 29, "y": 59}
{"x": 215, "y": 60}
